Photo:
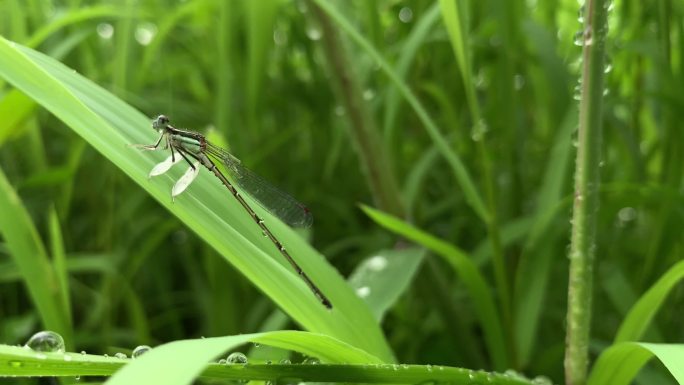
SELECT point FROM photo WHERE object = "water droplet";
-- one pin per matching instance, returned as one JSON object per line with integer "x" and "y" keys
{"x": 377, "y": 263}
{"x": 83, "y": 352}
{"x": 606, "y": 91}
{"x": 580, "y": 14}
{"x": 311, "y": 361}
{"x": 368, "y": 94}
{"x": 471, "y": 375}
{"x": 339, "y": 110}
{"x": 429, "y": 367}
{"x": 405, "y": 15}
{"x": 577, "y": 92}
{"x": 314, "y": 33}
{"x": 140, "y": 350}
{"x": 237, "y": 358}
{"x": 542, "y": 380}
{"x": 627, "y": 214}
{"x": 588, "y": 36}
{"x": 481, "y": 79}
{"x": 578, "y": 39}
{"x": 145, "y": 33}
{"x": 222, "y": 361}
{"x": 363, "y": 291}
{"x": 120, "y": 356}
{"x": 46, "y": 341}
{"x": 395, "y": 367}
{"x": 404, "y": 366}
{"x": 269, "y": 362}
{"x": 479, "y": 130}
{"x": 285, "y": 361}
{"x": 518, "y": 82}
{"x": 77, "y": 378}
{"x": 514, "y": 374}
{"x": 279, "y": 37}
{"x": 16, "y": 364}
{"x": 607, "y": 65}
{"x": 256, "y": 344}
{"x": 105, "y": 30}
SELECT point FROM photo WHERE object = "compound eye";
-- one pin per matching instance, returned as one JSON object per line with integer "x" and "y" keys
{"x": 160, "y": 122}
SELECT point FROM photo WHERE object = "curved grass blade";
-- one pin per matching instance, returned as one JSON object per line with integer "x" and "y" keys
{"x": 621, "y": 362}
{"x": 28, "y": 254}
{"x": 639, "y": 317}
{"x": 477, "y": 287}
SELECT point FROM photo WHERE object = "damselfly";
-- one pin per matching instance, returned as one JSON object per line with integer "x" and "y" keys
{"x": 195, "y": 150}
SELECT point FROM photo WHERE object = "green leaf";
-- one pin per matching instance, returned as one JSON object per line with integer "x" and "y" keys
{"x": 28, "y": 253}
{"x": 110, "y": 126}
{"x": 621, "y": 362}
{"x": 475, "y": 283}
{"x": 639, "y": 317}
{"x": 381, "y": 279}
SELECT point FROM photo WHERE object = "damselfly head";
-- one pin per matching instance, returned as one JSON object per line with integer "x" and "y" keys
{"x": 160, "y": 122}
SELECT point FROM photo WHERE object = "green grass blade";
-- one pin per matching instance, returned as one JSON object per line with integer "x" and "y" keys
{"x": 193, "y": 357}
{"x": 75, "y": 16}
{"x": 621, "y": 362}
{"x": 474, "y": 281}
{"x": 28, "y": 253}
{"x": 640, "y": 316}
{"x": 60, "y": 264}
{"x": 110, "y": 125}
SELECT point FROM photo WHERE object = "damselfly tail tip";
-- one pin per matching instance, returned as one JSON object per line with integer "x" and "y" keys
{"x": 325, "y": 301}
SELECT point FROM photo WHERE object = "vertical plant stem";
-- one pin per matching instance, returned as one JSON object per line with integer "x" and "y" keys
{"x": 372, "y": 153}
{"x": 582, "y": 246}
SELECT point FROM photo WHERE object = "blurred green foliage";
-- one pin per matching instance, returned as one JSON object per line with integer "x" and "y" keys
{"x": 259, "y": 75}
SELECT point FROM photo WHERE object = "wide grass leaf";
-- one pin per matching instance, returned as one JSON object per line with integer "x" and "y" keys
{"x": 621, "y": 362}
{"x": 110, "y": 125}
{"x": 639, "y": 317}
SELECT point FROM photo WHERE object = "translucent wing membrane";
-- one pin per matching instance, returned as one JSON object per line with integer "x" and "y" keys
{"x": 185, "y": 180}
{"x": 165, "y": 166}
{"x": 276, "y": 201}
